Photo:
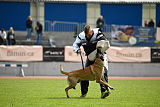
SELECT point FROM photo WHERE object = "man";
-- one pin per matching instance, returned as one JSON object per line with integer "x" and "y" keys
{"x": 88, "y": 39}
{"x": 29, "y": 27}
{"x": 11, "y": 37}
{"x": 3, "y": 37}
{"x": 100, "y": 22}
{"x": 38, "y": 29}
{"x": 151, "y": 23}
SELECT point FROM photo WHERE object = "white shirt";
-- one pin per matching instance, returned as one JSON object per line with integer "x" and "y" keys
{"x": 3, "y": 35}
{"x": 81, "y": 39}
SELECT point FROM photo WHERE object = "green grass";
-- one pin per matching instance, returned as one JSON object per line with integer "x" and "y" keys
{"x": 50, "y": 93}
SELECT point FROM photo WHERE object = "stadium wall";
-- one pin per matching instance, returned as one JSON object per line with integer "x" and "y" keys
{"x": 120, "y": 14}
{"x": 157, "y": 13}
{"x": 52, "y": 69}
{"x": 14, "y": 14}
{"x": 69, "y": 12}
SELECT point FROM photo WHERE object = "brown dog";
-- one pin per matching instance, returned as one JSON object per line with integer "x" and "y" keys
{"x": 92, "y": 72}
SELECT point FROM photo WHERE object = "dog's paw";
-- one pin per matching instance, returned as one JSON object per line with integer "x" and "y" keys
{"x": 111, "y": 88}
{"x": 68, "y": 96}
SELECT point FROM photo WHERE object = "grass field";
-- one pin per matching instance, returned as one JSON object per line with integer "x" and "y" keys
{"x": 50, "y": 93}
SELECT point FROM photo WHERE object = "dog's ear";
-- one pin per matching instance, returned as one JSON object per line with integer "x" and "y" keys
{"x": 98, "y": 53}
{"x": 99, "y": 50}
{"x": 102, "y": 58}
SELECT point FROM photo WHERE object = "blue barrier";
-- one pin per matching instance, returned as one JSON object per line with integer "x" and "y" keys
{"x": 13, "y": 65}
{"x": 16, "y": 65}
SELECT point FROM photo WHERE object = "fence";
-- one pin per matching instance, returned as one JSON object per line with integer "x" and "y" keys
{"x": 20, "y": 66}
{"x": 62, "y": 26}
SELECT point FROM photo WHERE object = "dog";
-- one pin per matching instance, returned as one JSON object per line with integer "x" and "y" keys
{"x": 92, "y": 72}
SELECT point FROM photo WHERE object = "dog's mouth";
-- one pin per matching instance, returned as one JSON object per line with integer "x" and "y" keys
{"x": 100, "y": 56}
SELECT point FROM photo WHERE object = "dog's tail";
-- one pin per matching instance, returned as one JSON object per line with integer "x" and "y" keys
{"x": 61, "y": 69}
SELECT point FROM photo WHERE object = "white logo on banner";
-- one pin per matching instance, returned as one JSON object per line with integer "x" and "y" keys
{"x": 132, "y": 40}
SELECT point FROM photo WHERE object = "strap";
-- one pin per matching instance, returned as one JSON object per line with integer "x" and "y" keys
{"x": 79, "y": 37}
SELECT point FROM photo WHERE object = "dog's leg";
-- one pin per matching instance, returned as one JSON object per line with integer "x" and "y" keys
{"x": 103, "y": 79}
{"x": 104, "y": 83}
{"x": 66, "y": 90}
{"x": 98, "y": 80}
{"x": 72, "y": 83}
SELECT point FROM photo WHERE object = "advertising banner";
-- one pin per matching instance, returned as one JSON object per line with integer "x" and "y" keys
{"x": 158, "y": 34}
{"x": 121, "y": 34}
{"x": 155, "y": 54}
{"x": 21, "y": 53}
{"x": 72, "y": 56}
{"x": 145, "y": 36}
{"x": 132, "y": 36}
{"x": 53, "y": 53}
{"x": 129, "y": 54}
{"x": 115, "y": 54}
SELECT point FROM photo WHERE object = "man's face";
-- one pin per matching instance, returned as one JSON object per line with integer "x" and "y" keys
{"x": 89, "y": 34}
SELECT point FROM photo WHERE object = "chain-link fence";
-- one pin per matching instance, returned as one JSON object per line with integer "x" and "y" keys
{"x": 62, "y": 26}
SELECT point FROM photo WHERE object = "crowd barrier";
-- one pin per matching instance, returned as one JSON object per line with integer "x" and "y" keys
{"x": 21, "y": 66}
{"x": 39, "y": 53}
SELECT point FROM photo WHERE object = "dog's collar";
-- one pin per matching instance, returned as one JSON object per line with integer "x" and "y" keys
{"x": 99, "y": 64}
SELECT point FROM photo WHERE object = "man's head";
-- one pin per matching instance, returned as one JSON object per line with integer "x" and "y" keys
{"x": 101, "y": 17}
{"x": 2, "y": 30}
{"x": 87, "y": 30}
{"x": 29, "y": 18}
{"x": 38, "y": 23}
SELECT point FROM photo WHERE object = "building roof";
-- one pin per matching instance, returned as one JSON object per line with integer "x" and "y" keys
{"x": 92, "y": 1}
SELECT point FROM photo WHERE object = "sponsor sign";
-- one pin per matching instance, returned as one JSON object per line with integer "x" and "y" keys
{"x": 122, "y": 35}
{"x": 21, "y": 53}
{"x": 125, "y": 35}
{"x": 129, "y": 54}
{"x": 53, "y": 53}
{"x": 71, "y": 56}
{"x": 155, "y": 54}
{"x": 115, "y": 54}
{"x": 145, "y": 36}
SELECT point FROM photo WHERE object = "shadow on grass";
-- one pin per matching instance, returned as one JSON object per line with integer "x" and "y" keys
{"x": 72, "y": 98}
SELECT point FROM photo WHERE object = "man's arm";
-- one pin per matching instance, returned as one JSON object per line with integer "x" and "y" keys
{"x": 40, "y": 28}
{"x": 103, "y": 44}
{"x": 100, "y": 35}
{"x": 5, "y": 35}
{"x": 77, "y": 44}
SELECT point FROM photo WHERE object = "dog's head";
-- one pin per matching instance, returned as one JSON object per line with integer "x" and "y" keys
{"x": 99, "y": 59}
{"x": 100, "y": 56}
